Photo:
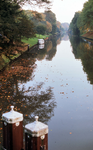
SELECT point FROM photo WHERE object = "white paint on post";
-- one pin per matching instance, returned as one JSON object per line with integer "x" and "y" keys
{"x": 12, "y": 116}
{"x": 36, "y": 129}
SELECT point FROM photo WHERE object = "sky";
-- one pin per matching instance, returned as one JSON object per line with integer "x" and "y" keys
{"x": 65, "y": 9}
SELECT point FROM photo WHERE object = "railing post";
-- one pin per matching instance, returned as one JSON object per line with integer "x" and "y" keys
{"x": 36, "y": 136}
{"x": 12, "y": 130}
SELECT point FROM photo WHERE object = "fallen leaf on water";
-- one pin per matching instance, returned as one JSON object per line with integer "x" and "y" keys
{"x": 70, "y": 132}
{"x": 90, "y": 130}
{"x": 61, "y": 92}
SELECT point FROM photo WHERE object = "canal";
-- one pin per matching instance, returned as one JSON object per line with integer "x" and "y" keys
{"x": 55, "y": 83}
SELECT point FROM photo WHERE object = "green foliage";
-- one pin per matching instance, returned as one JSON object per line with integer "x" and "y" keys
{"x": 54, "y": 28}
{"x": 6, "y": 60}
{"x": 41, "y": 29}
{"x": 59, "y": 27}
{"x": 47, "y": 19}
{"x": 73, "y": 25}
{"x": 13, "y": 22}
{"x": 39, "y": 3}
{"x": 9, "y": 13}
{"x": 51, "y": 18}
{"x": 85, "y": 21}
{"x": 26, "y": 27}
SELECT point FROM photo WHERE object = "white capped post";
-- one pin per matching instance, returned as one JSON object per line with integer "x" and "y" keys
{"x": 12, "y": 130}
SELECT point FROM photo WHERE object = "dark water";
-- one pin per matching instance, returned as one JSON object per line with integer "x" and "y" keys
{"x": 56, "y": 84}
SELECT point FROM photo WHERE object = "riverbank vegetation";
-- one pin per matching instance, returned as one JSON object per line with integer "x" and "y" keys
{"x": 82, "y": 22}
{"x": 34, "y": 40}
{"x": 19, "y": 27}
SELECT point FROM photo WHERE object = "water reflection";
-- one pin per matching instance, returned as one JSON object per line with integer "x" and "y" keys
{"x": 49, "y": 50}
{"x": 38, "y": 89}
{"x": 28, "y": 99}
{"x": 65, "y": 37}
{"x": 83, "y": 49}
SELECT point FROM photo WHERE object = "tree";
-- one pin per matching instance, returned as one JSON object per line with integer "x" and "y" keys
{"x": 9, "y": 13}
{"x": 40, "y": 3}
{"x": 48, "y": 27}
{"x": 41, "y": 29}
{"x": 54, "y": 28}
{"x": 59, "y": 27}
{"x": 13, "y": 22}
{"x": 26, "y": 27}
{"x": 51, "y": 18}
{"x": 11, "y": 19}
{"x": 85, "y": 21}
{"x": 73, "y": 24}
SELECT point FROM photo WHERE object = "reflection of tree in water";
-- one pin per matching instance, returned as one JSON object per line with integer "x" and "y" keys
{"x": 49, "y": 51}
{"x": 75, "y": 40}
{"x": 31, "y": 101}
{"x": 42, "y": 53}
{"x": 51, "y": 54}
{"x": 84, "y": 51}
{"x": 65, "y": 37}
{"x": 35, "y": 101}
{"x": 49, "y": 46}
{"x": 87, "y": 60}
{"x": 19, "y": 72}
{"x": 58, "y": 41}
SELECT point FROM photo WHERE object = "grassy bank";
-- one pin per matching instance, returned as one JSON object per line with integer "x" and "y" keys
{"x": 33, "y": 41}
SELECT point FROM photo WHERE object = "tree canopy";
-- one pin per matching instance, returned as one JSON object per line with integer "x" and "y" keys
{"x": 32, "y": 2}
{"x": 83, "y": 21}
{"x": 73, "y": 25}
{"x": 41, "y": 29}
{"x": 48, "y": 19}
{"x": 14, "y": 24}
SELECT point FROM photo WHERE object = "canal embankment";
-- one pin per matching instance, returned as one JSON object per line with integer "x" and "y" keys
{"x": 88, "y": 35}
{"x": 33, "y": 44}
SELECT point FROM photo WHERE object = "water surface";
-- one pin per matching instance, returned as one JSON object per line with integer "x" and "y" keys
{"x": 56, "y": 84}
